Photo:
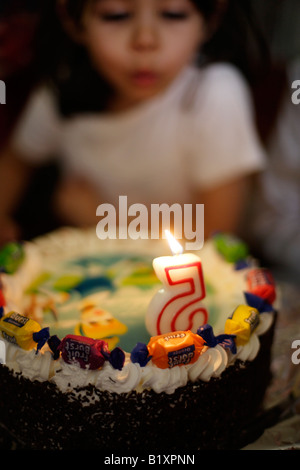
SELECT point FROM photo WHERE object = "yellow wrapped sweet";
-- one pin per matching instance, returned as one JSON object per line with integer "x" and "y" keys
{"x": 242, "y": 323}
{"x": 23, "y": 331}
{"x": 175, "y": 349}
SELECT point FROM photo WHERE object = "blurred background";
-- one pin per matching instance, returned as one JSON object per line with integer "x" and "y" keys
{"x": 19, "y": 69}
{"x": 279, "y": 21}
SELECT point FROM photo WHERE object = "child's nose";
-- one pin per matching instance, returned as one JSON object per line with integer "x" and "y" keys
{"x": 145, "y": 35}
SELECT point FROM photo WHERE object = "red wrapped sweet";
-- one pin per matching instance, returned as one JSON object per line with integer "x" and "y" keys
{"x": 261, "y": 283}
{"x": 89, "y": 353}
{"x": 2, "y": 302}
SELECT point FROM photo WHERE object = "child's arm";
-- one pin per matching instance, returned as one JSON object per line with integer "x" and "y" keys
{"x": 224, "y": 206}
{"x": 75, "y": 202}
{"x": 14, "y": 177}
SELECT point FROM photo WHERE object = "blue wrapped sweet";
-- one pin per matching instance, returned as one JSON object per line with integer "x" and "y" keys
{"x": 140, "y": 355}
{"x": 224, "y": 340}
{"x": 262, "y": 305}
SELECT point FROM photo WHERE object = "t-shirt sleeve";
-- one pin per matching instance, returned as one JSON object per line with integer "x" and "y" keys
{"x": 37, "y": 133}
{"x": 224, "y": 144}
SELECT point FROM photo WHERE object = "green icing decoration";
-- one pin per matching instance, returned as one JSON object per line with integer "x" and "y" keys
{"x": 231, "y": 247}
{"x": 67, "y": 282}
{"x": 210, "y": 290}
{"x": 143, "y": 277}
{"x": 34, "y": 286}
{"x": 12, "y": 256}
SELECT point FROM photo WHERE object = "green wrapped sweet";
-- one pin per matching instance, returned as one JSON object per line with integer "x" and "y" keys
{"x": 230, "y": 247}
{"x": 11, "y": 257}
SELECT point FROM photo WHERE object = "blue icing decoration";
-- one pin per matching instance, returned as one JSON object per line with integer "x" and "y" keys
{"x": 105, "y": 260}
{"x": 95, "y": 284}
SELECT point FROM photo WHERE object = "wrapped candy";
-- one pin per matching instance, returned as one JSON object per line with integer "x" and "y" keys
{"x": 257, "y": 302}
{"x": 86, "y": 352}
{"x": 230, "y": 247}
{"x": 260, "y": 282}
{"x": 22, "y": 331}
{"x": 242, "y": 323}
{"x": 226, "y": 341}
{"x": 140, "y": 355}
{"x": 2, "y": 302}
{"x": 169, "y": 350}
{"x": 11, "y": 256}
{"x": 53, "y": 343}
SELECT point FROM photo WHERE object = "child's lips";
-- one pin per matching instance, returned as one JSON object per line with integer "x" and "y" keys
{"x": 144, "y": 78}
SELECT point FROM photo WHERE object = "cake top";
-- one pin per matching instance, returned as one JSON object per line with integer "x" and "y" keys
{"x": 83, "y": 303}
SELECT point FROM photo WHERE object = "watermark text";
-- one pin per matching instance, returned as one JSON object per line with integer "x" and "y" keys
{"x": 296, "y": 353}
{"x": 137, "y": 221}
{"x": 2, "y": 92}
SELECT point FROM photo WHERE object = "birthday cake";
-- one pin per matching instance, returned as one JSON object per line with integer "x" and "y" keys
{"x": 97, "y": 355}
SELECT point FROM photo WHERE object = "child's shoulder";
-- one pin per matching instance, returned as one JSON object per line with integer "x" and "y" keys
{"x": 221, "y": 76}
{"x": 42, "y": 101}
{"x": 219, "y": 85}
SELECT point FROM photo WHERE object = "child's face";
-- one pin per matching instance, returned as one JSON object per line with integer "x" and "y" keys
{"x": 139, "y": 46}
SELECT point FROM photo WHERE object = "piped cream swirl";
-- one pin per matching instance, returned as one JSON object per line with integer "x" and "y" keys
{"x": 33, "y": 365}
{"x": 163, "y": 380}
{"x": 210, "y": 364}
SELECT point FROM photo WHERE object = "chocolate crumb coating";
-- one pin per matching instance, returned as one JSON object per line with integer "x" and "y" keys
{"x": 200, "y": 416}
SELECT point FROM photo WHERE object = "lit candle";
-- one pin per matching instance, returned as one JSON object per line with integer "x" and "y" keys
{"x": 177, "y": 306}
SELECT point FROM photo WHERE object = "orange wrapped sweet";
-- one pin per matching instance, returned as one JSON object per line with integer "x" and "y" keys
{"x": 175, "y": 349}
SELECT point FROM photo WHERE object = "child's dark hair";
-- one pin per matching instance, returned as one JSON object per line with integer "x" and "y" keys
{"x": 239, "y": 39}
{"x": 235, "y": 38}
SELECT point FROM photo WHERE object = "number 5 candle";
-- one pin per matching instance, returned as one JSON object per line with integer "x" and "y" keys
{"x": 177, "y": 305}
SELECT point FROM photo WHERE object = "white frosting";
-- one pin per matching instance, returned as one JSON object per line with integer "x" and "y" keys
{"x": 210, "y": 364}
{"x": 266, "y": 320}
{"x": 119, "y": 381}
{"x": 36, "y": 366}
{"x": 14, "y": 286}
{"x": 33, "y": 365}
{"x": 248, "y": 351}
{"x": 70, "y": 376}
{"x": 163, "y": 380}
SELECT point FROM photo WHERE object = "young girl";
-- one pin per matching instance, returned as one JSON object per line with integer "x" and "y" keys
{"x": 130, "y": 112}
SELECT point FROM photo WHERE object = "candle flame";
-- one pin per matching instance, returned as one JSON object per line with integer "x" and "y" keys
{"x": 175, "y": 246}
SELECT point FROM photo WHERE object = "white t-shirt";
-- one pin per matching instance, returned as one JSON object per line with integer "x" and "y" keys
{"x": 197, "y": 134}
